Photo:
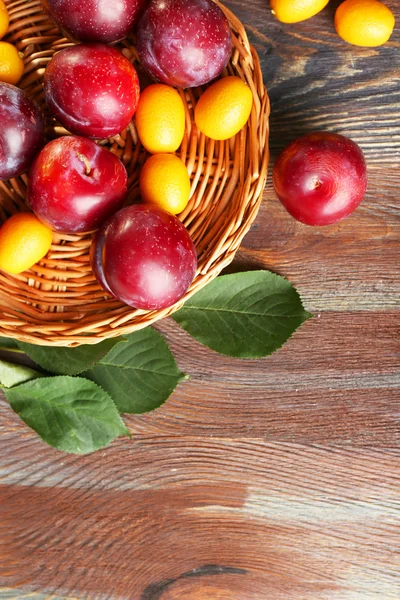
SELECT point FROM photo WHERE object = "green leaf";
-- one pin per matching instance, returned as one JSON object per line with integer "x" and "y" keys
{"x": 247, "y": 315}
{"x": 12, "y": 374}
{"x": 68, "y": 361}
{"x": 139, "y": 375}
{"x": 8, "y": 344}
{"x": 69, "y": 413}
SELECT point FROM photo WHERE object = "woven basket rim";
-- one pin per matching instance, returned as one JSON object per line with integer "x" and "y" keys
{"x": 58, "y": 302}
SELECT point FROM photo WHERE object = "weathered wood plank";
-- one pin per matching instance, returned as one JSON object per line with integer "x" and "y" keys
{"x": 197, "y": 505}
{"x": 351, "y": 266}
{"x": 166, "y": 518}
{"x": 318, "y": 82}
{"x": 336, "y": 381}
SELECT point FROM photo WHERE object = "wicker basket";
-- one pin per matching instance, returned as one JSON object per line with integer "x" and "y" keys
{"x": 58, "y": 302}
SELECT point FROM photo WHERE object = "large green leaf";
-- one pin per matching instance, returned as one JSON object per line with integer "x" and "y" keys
{"x": 12, "y": 374}
{"x": 247, "y": 315}
{"x": 68, "y": 361}
{"x": 8, "y": 344}
{"x": 139, "y": 375}
{"x": 69, "y": 413}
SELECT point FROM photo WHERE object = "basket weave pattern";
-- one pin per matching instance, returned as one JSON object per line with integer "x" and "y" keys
{"x": 58, "y": 302}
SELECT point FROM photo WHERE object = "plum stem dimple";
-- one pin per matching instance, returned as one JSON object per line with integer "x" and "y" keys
{"x": 314, "y": 182}
{"x": 317, "y": 183}
{"x": 86, "y": 162}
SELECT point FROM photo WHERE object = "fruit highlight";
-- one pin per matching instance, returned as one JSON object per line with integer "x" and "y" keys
{"x": 368, "y": 23}
{"x": 95, "y": 20}
{"x": 164, "y": 181}
{"x": 92, "y": 90}
{"x": 224, "y": 108}
{"x": 24, "y": 240}
{"x": 184, "y": 43}
{"x": 145, "y": 257}
{"x": 294, "y": 11}
{"x": 22, "y": 132}
{"x": 320, "y": 178}
{"x": 75, "y": 184}
{"x": 160, "y": 118}
{"x": 4, "y": 19}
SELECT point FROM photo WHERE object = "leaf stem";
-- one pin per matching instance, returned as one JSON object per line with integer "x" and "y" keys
{"x": 11, "y": 350}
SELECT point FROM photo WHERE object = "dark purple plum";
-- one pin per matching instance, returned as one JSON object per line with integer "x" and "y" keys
{"x": 184, "y": 43}
{"x": 22, "y": 131}
{"x": 92, "y": 90}
{"x": 96, "y": 257}
{"x": 104, "y": 21}
{"x": 145, "y": 257}
{"x": 75, "y": 185}
{"x": 320, "y": 178}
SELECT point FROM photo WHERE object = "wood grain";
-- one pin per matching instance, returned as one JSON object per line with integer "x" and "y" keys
{"x": 180, "y": 518}
{"x": 336, "y": 381}
{"x": 316, "y": 81}
{"x": 351, "y": 266}
{"x": 276, "y": 479}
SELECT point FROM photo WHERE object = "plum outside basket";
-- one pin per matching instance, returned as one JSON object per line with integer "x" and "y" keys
{"x": 58, "y": 302}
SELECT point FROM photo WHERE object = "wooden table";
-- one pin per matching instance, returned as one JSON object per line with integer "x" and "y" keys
{"x": 274, "y": 479}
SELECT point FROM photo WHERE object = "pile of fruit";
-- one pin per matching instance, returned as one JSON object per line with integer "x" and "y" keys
{"x": 141, "y": 254}
{"x": 321, "y": 177}
{"x": 367, "y": 23}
